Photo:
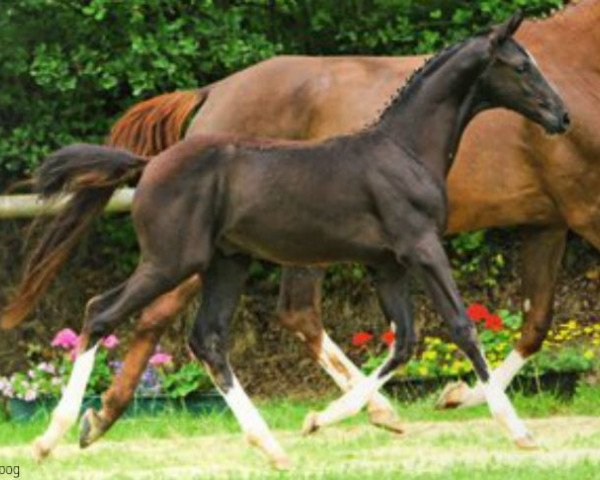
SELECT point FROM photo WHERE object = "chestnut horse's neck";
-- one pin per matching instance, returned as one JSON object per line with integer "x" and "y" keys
{"x": 570, "y": 36}
{"x": 427, "y": 118}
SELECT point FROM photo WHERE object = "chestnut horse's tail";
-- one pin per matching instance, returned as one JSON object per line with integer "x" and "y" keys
{"x": 152, "y": 126}
{"x": 90, "y": 173}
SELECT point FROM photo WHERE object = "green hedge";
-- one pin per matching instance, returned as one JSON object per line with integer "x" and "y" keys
{"x": 69, "y": 68}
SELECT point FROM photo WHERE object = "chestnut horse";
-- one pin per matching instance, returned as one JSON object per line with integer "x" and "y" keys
{"x": 208, "y": 204}
{"x": 506, "y": 173}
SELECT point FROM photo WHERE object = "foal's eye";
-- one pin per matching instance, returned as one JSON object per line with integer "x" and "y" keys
{"x": 522, "y": 68}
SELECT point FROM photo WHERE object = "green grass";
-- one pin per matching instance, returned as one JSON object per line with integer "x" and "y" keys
{"x": 456, "y": 444}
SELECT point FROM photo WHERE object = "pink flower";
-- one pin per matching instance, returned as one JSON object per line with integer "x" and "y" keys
{"x": 66, "y": 339}
{"x": 160, "y": 358}
{"x": 110, "y": 342}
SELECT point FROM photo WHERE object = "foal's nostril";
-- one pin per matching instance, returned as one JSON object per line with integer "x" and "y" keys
{"x": 566, "y": 120}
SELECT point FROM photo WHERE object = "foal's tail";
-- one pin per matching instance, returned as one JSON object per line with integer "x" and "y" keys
{"x": 152, "y": 126}
{"x": 91, "y": 173}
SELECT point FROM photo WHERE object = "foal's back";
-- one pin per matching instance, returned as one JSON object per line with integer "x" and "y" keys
{"x": 288, "y": 202}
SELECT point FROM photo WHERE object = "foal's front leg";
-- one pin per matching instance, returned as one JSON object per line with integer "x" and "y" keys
{"x": 393, "y": 293}
{"x": 435, "y": 269}
{"x": 542, "y": 251}
{"x": 223, "y": 285}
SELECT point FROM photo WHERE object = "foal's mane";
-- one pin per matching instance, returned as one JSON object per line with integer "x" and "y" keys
{"x": 416, "y": 78}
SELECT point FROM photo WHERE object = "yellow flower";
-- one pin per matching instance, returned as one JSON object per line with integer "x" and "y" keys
{"x": 588, "y": 330}
{"x": 596, "y": 341}
{"x": 423, "y": 371}
{"x": 429, "y": 355}
{"x": 588, "y": 354}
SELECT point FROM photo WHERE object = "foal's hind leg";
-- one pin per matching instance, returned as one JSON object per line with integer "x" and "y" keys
{"x": 154, "y": 321}
{"x": 431, "y": 259}
{"x": 103, "y": 315}
{"x": 299, "y": 310}
{"x": 223, "y": 284}
{"x": 542, "y": 251}
{"x": 393, "y": 292}
{"x": 66, "y": 412}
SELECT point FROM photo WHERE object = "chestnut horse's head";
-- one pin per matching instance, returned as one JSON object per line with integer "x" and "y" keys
{"x": 513, "y": 80}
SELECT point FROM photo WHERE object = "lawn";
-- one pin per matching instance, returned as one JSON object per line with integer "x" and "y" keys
{"x": 463, "y": 444}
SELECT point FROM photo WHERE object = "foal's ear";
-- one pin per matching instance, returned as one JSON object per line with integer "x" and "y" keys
{"x": 506, "y": 29}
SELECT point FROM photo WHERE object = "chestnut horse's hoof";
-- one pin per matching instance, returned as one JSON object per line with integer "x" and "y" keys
{"x": 527, "y": 443}
{"x": 282, "y": 464}
{"x": 453, "y": 395}
{"x": 91, "y": 429}
{"x": 386, "y": 419}
{"x": 39, "y": 450}
{"x": 310, "y": 423}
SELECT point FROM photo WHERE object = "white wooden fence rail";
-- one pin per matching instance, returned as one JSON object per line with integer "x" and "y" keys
{"x": 27, "y": 206}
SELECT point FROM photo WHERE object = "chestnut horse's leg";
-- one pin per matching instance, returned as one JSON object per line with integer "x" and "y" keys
{"x": 542, "y": 251}
{"x": 154, "y": 321}
{"x": 223, "y": 285}
{"x": 394, "y": 298}
{"x": 103, "y": 314}
{"x": 299, "y": 310}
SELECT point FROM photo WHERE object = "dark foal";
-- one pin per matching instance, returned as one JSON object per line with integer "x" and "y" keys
{"x": 208, "y": 204}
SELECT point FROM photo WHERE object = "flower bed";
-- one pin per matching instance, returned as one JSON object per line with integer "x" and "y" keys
{"x": 569, "y": 351}
{"x": 162, "y": 386}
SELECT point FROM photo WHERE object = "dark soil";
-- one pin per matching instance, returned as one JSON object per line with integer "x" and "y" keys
{"x": 268, "y": 360}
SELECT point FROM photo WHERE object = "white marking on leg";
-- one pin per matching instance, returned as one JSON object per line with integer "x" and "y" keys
{"x": 255, "y": 428}
{"x": 66, "y": 412}
{"x": 329, "y": 351}
{"x": 353, "y": 401}
{"x": 526, "y": 305}
{"x": 503, "y": 410}
{"x": 503, "y": 375}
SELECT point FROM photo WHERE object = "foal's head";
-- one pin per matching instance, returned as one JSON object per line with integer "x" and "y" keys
{"x": 513, "y": 80}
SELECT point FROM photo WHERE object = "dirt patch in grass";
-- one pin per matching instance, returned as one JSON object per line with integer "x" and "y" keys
{"x": 428, "y": 448}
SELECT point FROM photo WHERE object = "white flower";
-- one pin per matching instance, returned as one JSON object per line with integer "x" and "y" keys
{"x": 30, "y": 395}
{"x": 47, "y": 367}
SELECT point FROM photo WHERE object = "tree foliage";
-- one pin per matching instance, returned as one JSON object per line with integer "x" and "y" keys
{"x": 69, "y": 67}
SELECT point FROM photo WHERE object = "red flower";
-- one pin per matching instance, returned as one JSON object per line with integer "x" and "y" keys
{"x": 477, "y": 312}
{"x": 361, "y": 338}
{"x": 388, "y": 338}
{"x": 494, "y": 323}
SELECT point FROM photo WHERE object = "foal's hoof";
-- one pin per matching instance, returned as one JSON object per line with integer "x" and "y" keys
{"x": 527, "y": 443}
{"x": 310, "y": 423}
{"x": 387, "y": 420}
{"x": 453, "y": 395}
{"x": 91, "y": 428}
{"x": 39, "y": 450}
{"x": 282, "y": 464}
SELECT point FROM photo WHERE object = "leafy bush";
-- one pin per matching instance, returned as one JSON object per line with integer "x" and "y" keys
{"x": 569, "y": 348}
{"x": 73, "y": 67}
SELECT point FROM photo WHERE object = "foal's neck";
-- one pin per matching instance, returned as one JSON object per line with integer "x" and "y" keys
{"x": 429, "y": 118}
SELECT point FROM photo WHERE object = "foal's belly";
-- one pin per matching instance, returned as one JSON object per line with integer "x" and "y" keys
{"x": 295, "y": 244}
